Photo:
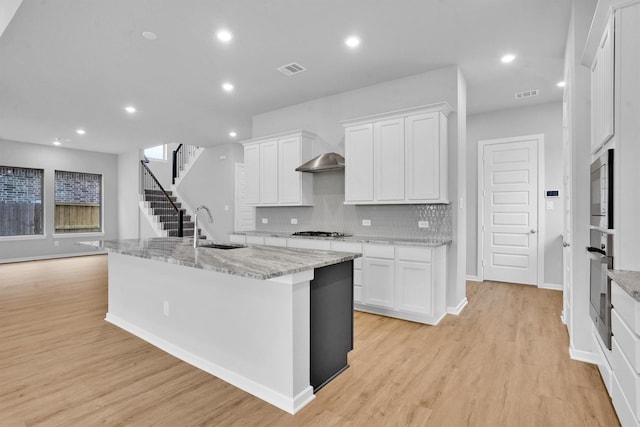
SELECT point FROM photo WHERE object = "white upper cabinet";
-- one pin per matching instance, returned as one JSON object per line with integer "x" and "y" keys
{"x": 602, "y": 90}
{"x": 398, "y": 157}
{"x": 359, "y": 163}
{"x": 270, "y": 164}
{"x": 388, "y": 145}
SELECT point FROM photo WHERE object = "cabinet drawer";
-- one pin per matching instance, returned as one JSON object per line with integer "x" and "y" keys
{"x": 255, "y": 240}
{"x": 628, "y": 341}
{"x": 357, "y": 293}
{"x": 409, "y": 253}
{"x": 628, "y": 308}
{"x": 323, "y": 245}
{"x": 346, "y": 247}
{"x": 275, "y": 241}
{"x": 379, "y": 251}
{"x": 357, "y": 277}
{"x": 237, "y": 238}
{"x": 627, "y": 378}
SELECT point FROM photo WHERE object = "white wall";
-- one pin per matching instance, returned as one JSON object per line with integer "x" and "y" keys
{"x": 210, "y": 182}
{"x": 538, "y": 119}
{"x": 322, "y": 117}
{"x": 51, "y": 159}
{"x": 128, "y": 194}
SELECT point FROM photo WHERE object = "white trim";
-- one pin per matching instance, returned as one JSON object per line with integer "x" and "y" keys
{"x": 290, "y": 405}
{"x": 472, "y": 278}
{"x": 541, "y": 210}
{"x": 458, "y": 309}
{"x": 413, "y": 317}
{"x": 23, "y": 237}
{"x": 69, "y": 235}
{"x": 552, "y": 286}
{"x": 52, "y": 256}
{"x": 441, "y": 107}
{"x": 584, "y": 356}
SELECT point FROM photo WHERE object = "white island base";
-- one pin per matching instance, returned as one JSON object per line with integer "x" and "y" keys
{"x": 253, "y": 334}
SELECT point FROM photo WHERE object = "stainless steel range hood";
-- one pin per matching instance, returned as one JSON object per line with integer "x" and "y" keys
{"x": 323, "y": 163}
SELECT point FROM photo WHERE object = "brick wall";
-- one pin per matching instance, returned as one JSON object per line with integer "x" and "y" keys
{"x": 76, "y": 187}
{"x": 20, "y": 185}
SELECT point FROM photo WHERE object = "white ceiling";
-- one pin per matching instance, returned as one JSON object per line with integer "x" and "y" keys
{"x": 68, "y": 64}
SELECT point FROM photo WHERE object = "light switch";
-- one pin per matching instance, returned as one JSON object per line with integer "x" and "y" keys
{"x": 265, "y": 220}
{"x": 366, "y": 222}
{"x": 423, "y": 224}
{"x": 294, "y": 221}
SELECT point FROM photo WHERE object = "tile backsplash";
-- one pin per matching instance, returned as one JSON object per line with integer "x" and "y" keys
{"x": 330, "y": 214}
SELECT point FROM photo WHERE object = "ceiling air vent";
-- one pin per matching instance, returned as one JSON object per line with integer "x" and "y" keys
{"x": 291, "y": 69}
{"x": 527, "y": 94}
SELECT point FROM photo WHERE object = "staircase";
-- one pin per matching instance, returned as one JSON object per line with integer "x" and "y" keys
{"x": 165, "y": 216}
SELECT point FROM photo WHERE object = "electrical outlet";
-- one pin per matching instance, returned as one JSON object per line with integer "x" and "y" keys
{"x": 265, "y": 220}
{"x": 165, "y": 308}
{"x": 56, "y": 243}
{"x": 226, "y": 207}
{"x": 366, "y": 223}
{"x": 423, "y": 224}
{"x": 222, "y": 157}
{"x": 294, "y": 221}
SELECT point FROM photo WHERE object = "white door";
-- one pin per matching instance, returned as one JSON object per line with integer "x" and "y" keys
{"x": 379, "y": 282}
{"x": 567, "y": 255}
{"x": 244, "y": 215}
{"x": 510, "y": 210}
{"x": 415, "y": 287}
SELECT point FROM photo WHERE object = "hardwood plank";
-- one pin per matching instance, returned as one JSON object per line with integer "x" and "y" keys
{"x": 503, "y": 361}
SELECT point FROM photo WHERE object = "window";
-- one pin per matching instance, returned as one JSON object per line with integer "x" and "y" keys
{"x": 21, "y": 212}
{"x": 159, "y": 152}
{"x": 78, "y": 202}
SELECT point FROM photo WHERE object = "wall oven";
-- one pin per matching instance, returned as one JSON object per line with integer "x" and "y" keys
{"x": 601, "y": 252}
{"x": 602, "y": 191}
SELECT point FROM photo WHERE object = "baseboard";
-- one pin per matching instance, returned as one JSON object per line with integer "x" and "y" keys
{"x": 458, "y": 309}
{"x": 52, "y": 256}
{"x": 552, "y": 286}
{"x": 473, "y": 278}
{"x": 290, "y": 405}
{"x": 584, "y": 356}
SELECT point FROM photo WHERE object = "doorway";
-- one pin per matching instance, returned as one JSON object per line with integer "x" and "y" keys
{"x": 510, "y": 223}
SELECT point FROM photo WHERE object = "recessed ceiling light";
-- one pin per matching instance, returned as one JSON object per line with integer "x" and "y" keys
{"x": 56, "y": 142}
{"x": 224, "y": 36}
{"x": 130, "y": 109}
{"x": 352, "y": 41}
{"x": 561, "y": 84}
{"x": 80, "y": 131}
{"x": 227, "y": 86}
{"x": 508, "y": 58}
{"x": 149, "y": 35}
{"x": 233, "y": 134}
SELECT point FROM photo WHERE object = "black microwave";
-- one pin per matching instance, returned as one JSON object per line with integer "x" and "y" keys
{"x": 602, "y": 191}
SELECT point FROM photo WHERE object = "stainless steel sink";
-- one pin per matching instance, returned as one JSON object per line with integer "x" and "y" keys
{"x": 220, "y": 246}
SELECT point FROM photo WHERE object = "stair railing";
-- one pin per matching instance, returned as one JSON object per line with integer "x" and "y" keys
{"x": 148, "y": 181}
{"x": 181, "y": 156}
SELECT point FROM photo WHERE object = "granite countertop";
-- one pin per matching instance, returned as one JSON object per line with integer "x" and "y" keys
{"x": 256, "y": 262}
{"x": 628, "y": 280}
{"x": 360, "y": 239}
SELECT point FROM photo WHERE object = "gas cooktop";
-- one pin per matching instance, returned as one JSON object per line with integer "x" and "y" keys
{"x": 320, "y": 234}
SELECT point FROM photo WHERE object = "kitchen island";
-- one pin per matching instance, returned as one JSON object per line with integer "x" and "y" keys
{"x": 249, "y": 316}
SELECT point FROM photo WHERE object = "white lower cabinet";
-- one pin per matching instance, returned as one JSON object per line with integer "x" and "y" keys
{"x": 406, "y": 282}
{"x": 625, "y": 360}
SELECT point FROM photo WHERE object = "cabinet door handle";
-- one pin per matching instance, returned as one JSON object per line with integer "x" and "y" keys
{"x": 533, "y": 231}
{"x": 565, "y": 244}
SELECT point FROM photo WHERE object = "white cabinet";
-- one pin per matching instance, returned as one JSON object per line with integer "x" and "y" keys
{"x": 316, "y": 244}
{"x": 602, "y": 89}
{"x": 270, "y": 163}
{"x": 397, "y": 158}
{"x": 388, "y": 146}
{"x": 358, "y": 178}
{"x": 353, "y": 247}
{"x": 414, "y": 284}
{"x": 625, "y": 356}
{"x": 378, "y": 267}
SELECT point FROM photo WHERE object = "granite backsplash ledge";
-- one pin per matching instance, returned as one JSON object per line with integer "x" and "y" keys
{"x": 329, "y": 213}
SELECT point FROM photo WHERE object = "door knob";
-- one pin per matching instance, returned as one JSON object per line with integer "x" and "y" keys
{"x": 533, "y": 231}
{"x": 565, "y": 244}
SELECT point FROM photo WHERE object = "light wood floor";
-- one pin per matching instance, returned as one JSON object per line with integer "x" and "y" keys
{"x": 503, "y": 362}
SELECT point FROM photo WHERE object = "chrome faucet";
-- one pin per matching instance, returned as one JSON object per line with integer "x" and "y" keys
{"x": 195, "y": 223}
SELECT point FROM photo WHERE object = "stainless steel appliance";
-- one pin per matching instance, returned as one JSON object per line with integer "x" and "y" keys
{"x": 602, "y": 191}
{"x": 320, "y": 234}
{"x": 601, "y": 251}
